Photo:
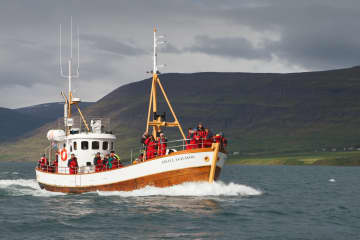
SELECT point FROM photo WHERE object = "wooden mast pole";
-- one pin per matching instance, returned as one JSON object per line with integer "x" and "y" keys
{"x": 171, "y": 109}
{"x": 157, "y": 122}
{"x": 149, "y": 110}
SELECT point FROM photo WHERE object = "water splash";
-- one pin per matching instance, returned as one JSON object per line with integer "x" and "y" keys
{"x": 332, "y": 180}
{"x": 190, "y": 189}
{"x": 23, "y": 187}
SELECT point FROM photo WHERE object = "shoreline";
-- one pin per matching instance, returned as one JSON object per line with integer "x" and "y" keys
{"x": 300, "y": 159}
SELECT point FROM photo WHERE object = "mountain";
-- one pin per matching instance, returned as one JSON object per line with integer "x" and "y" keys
{"x": 258, "y": 112}
{"x": 47, "y": 112}
{"x": 13, "y": 124}
{"x": 20, "y": 122}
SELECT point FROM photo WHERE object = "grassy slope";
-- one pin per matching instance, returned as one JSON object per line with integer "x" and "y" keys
{"x": 317, "y": 158}
{"x": 259, "y": 113}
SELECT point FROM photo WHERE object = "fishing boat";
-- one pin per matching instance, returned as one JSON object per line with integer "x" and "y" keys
{"x": 88, "y": 136}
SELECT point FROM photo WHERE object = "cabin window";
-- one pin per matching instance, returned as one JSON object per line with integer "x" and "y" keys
{"x": 71, "y": 148}
{"x": 75, "y": 146}
{"x": 84, "y": 145}
{"x": 112, "y": 145}
{"x": 95, "y": 145}
{"x": 105, "y": 145}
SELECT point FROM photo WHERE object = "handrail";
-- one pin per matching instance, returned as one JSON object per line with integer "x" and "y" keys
{"x": 171, "y": 146}
{"x": 76, "y": 170}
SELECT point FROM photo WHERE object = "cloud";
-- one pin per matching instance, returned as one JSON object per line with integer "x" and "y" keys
{"x": 228, "y": 47}
{"x": 203, "y": 35}
{"x": 316, "y": 34}
{"x": 112, "y": 46}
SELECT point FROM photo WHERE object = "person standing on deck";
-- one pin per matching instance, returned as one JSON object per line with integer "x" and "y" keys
{"x": 200, "y": 135}
{"x": 43, "y": 162}
{"x": 98, "y": 162}
{"x": 208, "y": 138}
{"x": 162, "y": 144}
{"x": 73, "y": 164}
{"x": 193, "y": 139}
{"x": 150, "y": 144}
{"x": 115, "y": 160}
{"x": 106, "y": 162}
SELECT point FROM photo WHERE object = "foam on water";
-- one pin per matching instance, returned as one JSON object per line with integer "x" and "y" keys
{"x": 21, "y": 187}
{"x": 332, "y": 180}
{"x": 190, "y": 189}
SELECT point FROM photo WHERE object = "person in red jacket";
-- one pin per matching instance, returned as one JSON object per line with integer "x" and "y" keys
{"x": 150, "y": 144}
{"x": 208, "y": 138}
{"x": 98, "y": 162}
{"x": 162, "y": 144}
{"x": 190, "y": 141}
{"x": 200, "y": 135}
{"x": 198, "y": 139}
{"x": 217, "y": 138}
{"x": 73, "y": 164}
{"x": 44, "y": 163}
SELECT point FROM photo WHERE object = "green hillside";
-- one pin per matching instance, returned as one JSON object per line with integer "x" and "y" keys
{"x": 259, "y": 113}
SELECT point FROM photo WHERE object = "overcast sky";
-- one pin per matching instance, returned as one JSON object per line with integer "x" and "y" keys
{"x": 203, "y": 35}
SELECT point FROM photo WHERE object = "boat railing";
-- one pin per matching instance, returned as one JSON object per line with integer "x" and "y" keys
{"x": 143, "y": 153}
{"x": 78, "y": 170}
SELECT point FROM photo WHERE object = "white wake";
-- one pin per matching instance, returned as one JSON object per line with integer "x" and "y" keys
{"x": 22, "y": 187}
{"x": 190, "y": 189}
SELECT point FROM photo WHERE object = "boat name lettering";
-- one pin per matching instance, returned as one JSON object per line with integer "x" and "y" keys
{"x": 171, "y": 160}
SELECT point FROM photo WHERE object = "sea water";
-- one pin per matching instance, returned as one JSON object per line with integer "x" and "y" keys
{"x": 249, "y": 202}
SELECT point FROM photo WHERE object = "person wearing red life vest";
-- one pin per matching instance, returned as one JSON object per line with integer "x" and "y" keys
{"x": 44, "y": 163}
{"x": 207, "y": 138}
{"x": 217, "y": 138}
{"x": 200, "y": 135}
{"x": 73, "y": 164}
{"x": 150, "y": 144}
{"x": 190, "y": 141}
{"x": 162, "y": 144}
{"x": 98, "y": 162}
{"x": 115, "y": 160}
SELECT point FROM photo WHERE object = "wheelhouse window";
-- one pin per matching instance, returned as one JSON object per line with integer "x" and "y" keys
{"x": 75, "y": 146}
{"x": 105, "y": 145}
{"x": 112, "y": 145}
{"x": 95, "y": 145}
{"x": 84, "y": 145}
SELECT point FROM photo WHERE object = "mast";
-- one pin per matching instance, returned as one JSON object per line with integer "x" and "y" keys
{"x": 69, "y": 100}
{"x": 157, "y": 121}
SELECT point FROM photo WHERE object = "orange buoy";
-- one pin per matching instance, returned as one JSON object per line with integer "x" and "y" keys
{"x": 63, "y": 155}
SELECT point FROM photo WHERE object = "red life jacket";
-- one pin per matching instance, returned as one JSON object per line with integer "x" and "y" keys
{"x": 162, "y": 144}
{"x": 73, "y": 166}
{"x": 207, "y": 141}
{"x": 98, "y": 164}
{"x": 43, "y": 161}
{"x": 217, "y": 139}
{"x": 150, "y": 148}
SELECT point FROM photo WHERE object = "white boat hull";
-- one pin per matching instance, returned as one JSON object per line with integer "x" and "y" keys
{"x": 176, "y": 168}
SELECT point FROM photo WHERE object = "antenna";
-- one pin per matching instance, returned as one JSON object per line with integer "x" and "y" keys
{"x": 157, "y": 43}
{"x": 70, "y": 75}
{"x": 78, "y": 52}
